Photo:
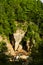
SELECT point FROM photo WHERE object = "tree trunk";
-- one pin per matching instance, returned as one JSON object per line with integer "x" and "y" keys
{"x": 12, "y": 40}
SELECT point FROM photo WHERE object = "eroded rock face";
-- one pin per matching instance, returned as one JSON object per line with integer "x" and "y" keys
{"x": 18, "y": 35}
{"x": 12, "y": 40}
{"x": 1, "y": 38}
{"x": 28, "y": 45}
{"x": 19, "y": 47}
{"x": 10, "y": 49}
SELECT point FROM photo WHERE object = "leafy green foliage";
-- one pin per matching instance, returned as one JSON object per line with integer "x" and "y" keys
{"x": 3, "y": 47}
{"x": 37, "y": 54}
{"x": 21, "y": 10}
{"x": 7, "y": 18}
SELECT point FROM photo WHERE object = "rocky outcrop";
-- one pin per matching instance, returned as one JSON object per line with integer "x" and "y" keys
{"x": 1, "y": 38}
{"x": 8, "y": 45}
{"x": 18, "y": 35}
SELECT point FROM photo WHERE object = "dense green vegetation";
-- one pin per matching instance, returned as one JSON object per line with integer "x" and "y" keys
{"x": 23, "y": 10}
{"x": 29, "y": 11}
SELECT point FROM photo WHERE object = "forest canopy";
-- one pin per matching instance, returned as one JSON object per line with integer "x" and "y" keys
{"x": 21, "y": 11}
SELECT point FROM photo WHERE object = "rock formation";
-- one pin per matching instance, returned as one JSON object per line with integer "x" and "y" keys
{"x": 18, "y": 37}
{"x": 19, "y": 49}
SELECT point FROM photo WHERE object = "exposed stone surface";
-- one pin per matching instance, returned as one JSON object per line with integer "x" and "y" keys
{"x": 28, "y": 45}
{"x": 18, "y": 37}
{"x": 1, "y": 38}
{"x": 20, "y": 47}
{"x": 24, "y": 57}
{"x": 9, "y": 46}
